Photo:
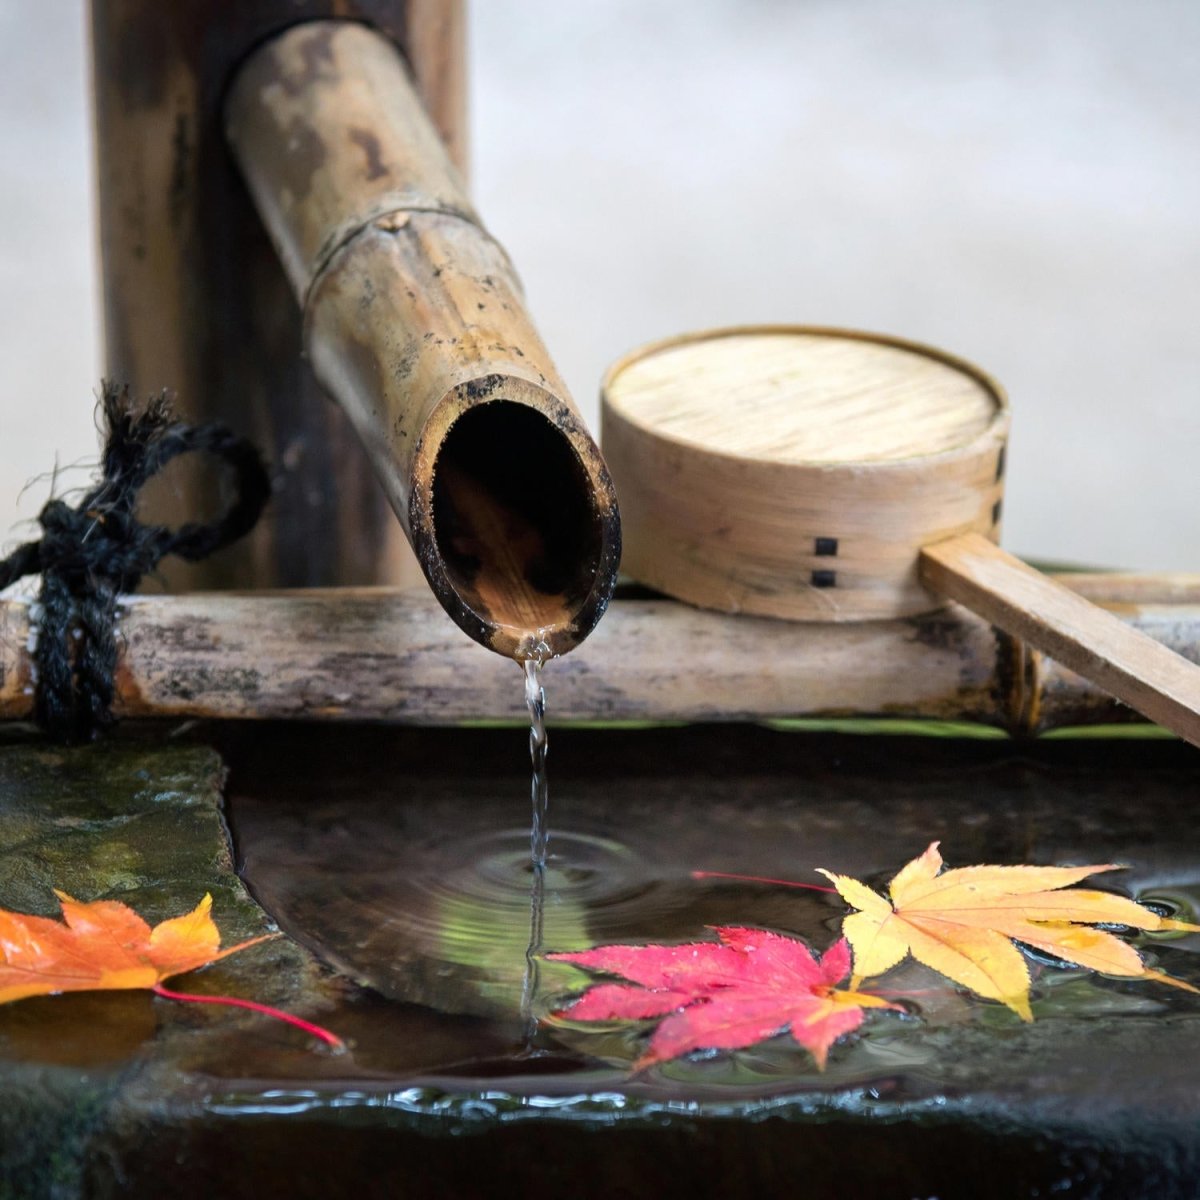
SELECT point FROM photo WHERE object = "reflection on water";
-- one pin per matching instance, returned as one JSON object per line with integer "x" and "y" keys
{"x": 408, "y": 871}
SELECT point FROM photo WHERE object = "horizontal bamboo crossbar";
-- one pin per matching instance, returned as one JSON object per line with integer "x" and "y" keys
{"x": 388, "y": 655}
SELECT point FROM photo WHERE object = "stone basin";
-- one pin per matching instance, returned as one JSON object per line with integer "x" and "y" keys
{"x": 391, "y": 861}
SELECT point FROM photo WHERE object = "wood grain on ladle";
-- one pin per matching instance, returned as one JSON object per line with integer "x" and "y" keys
{"x": 804, "y": 397}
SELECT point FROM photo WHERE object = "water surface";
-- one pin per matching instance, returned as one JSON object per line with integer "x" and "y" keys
{"x": 411, "y": 873}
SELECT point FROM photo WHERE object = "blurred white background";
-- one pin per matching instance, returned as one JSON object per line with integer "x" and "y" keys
{"x": 1013, "y": 180}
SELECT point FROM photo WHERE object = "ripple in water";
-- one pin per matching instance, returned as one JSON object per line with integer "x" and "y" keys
{"x": 419, "y": 882}
{"x": 583, "y": 867}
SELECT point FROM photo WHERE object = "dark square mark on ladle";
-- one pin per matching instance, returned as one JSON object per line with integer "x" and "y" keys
{"x": 826, "y": 547}
{"x": 824, "y": 579}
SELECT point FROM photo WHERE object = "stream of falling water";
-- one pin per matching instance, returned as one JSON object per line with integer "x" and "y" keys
{"x": 535, "y": 701}
{"x": 539, "y": 839}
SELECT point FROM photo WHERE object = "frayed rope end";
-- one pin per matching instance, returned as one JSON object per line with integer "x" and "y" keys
{"x": 90, "y": 553}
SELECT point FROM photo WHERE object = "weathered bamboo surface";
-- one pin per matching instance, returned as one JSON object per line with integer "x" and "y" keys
{"x": 194, "y": 298}
{"x": 415, "y": 323}
{"x": 388, "y": 655}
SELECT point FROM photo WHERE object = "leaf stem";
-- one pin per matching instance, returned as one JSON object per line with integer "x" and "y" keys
{"x": 808, "y": 887}
{"x": 330, "y": 1039}
{"x": 905, "y": 993}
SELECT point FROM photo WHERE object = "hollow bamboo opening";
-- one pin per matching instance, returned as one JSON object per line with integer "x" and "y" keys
{"x": 514, "y": 518}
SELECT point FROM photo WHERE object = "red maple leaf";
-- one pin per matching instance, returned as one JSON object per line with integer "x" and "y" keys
{"x": 724, "y": 995}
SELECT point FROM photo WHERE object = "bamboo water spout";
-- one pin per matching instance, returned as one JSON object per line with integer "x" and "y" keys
{"x": 414, "y": 323}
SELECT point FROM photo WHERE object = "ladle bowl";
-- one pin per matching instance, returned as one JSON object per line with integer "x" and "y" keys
{"x": 795, "y": 472}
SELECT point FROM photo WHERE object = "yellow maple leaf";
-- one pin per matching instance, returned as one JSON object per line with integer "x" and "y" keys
{"x": 962, "y": 923}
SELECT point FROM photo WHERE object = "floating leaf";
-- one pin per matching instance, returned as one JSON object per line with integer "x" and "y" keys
{"x": 963, "y": 922}
{"x": 106, "y": 945}
{"x": 724, "y": 995}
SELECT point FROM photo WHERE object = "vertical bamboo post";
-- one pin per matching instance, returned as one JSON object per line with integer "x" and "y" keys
{"x": 194, "y": 297}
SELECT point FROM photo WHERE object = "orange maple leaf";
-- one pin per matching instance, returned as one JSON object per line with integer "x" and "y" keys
{"x": 103, "y": 945}
{"x": 962, "y": 923}
{"x": 106, "y": 945}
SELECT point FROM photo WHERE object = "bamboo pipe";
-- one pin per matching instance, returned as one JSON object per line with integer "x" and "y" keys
{"x": 387, "y": 655}
{"x": 414, "y": 323}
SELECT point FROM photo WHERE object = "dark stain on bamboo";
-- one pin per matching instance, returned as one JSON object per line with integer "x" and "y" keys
{"x": 316, "y": 56}
{"x": 368, "y": 143}
{"x": 1010, "y": 687}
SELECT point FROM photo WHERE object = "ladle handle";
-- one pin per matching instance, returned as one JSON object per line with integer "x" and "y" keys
{"x": 1158, "y": 683}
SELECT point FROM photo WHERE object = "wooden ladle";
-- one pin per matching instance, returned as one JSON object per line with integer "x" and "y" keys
{"x": 826, "y": 475}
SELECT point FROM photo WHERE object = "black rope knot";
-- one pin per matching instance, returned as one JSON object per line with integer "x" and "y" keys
{"x": 90, "y": 553}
